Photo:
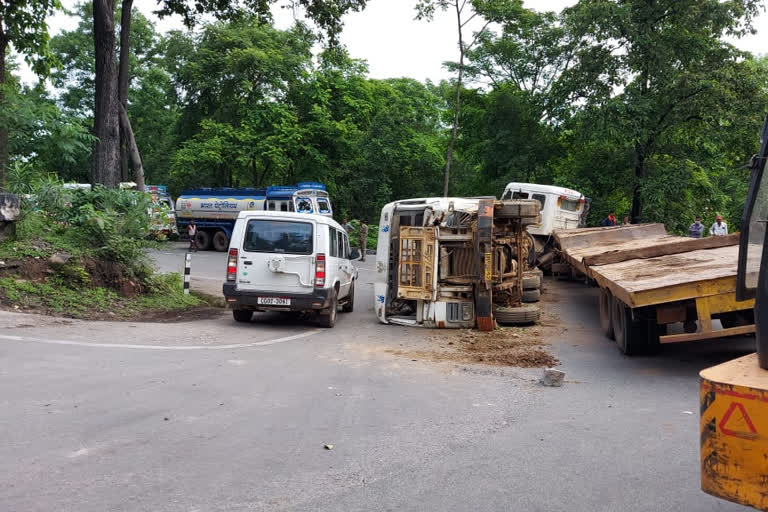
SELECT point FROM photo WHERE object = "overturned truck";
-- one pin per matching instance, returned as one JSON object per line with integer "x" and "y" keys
{"x": 456, "y": 263}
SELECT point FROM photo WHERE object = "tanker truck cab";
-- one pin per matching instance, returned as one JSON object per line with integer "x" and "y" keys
{"x": 289, "y": 261}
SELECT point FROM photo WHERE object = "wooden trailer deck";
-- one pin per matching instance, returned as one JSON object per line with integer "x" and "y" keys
{"x": 643, "y": 266}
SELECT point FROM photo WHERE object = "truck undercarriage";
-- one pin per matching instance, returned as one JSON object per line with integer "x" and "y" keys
{"x": 455, "y": 262}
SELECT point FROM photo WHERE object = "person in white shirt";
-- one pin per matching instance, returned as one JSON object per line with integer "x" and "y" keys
{"x": 719, "y": 228}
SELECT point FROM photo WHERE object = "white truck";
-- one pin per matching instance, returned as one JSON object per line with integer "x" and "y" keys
{"x": 561, "y": 208}
{"x": 451, "y": 262}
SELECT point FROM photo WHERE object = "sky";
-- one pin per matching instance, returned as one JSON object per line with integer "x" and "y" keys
{"x": 387, "y": 36}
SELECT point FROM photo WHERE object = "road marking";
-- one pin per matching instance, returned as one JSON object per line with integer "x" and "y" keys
{"x": 163, "y": 347}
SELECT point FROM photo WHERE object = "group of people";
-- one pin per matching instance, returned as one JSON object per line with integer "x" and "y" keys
{"x": 362, "y": 235}
{"x": 718, "y": 228}
{"x": 610, "y": 220}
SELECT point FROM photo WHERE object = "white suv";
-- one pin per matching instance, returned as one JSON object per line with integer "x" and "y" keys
{"x": 286, "y": 261}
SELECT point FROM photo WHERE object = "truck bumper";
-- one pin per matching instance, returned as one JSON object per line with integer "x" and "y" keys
{"x": 319, "y": 299}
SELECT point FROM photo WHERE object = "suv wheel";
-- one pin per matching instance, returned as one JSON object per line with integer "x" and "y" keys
{"x": 242, "y": 315}
{"x": 349, "y": 305}
{"x": 328, "y": 318}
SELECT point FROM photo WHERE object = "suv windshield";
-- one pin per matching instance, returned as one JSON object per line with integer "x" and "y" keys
{"x": 279, "y": 236}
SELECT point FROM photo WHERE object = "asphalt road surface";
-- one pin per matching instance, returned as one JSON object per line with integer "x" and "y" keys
{"x": 210, "y": 415}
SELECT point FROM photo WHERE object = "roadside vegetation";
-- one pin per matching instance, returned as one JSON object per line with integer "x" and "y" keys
{"x": 81, "y": 253}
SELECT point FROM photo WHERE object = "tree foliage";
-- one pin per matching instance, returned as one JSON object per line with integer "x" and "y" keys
{"x": 645, "y": 107}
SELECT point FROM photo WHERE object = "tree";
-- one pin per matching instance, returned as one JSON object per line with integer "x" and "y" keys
{"x": 670, "y": 62}
{"x": 425, "y": 9}
{"x": 22, "y": 24}
{"x": 106, "y": 151}
{"x": 326, "y": 13}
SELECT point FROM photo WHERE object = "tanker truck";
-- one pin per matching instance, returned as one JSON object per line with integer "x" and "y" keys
{"x": 215, "y": 210}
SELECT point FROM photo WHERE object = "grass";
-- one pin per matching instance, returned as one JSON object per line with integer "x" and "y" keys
{"x": 56, "y": 297}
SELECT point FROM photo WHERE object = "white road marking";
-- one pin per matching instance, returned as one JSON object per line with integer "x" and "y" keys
{"x": 163, "y": 347}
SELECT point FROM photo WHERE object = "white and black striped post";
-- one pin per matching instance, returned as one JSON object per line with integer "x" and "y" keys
{"x": 187, "y": 271}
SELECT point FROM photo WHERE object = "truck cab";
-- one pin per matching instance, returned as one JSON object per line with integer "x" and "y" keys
{"x": 561, "y": 208}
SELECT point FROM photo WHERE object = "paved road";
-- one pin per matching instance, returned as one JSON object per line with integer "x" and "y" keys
{"x": 217, "y": 416}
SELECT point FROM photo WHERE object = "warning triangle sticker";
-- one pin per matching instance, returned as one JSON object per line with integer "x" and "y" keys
{"x": 737, "y": 423}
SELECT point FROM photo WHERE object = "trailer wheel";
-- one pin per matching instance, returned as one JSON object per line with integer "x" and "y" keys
{"x": 630, "y": 336}
{"x": 606, "y": 305}
{"x": 203, "y": 239}
{"x": 220, "y": 241}
{"x": 531, "y": 295}
{"x": 525, "y": 314}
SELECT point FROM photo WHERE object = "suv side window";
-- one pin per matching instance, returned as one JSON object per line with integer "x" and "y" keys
{"x": 333, "y": 245}
{"x": 520, "y": 195}
{"x": 541, "y": 198}
{"x": 346, "y": 246}
{"x": 340, "y": 243}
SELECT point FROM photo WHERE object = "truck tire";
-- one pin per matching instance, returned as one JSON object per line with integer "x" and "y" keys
{"x": 531, "y": 295}
{"x": 606, "y": 306}
{"x": 328, "y": 318}
{"x": 631, "y": 337}
{"x": 220, "y": 241}
{"x": 203, "y": 239}
{"x": 242, "y": 315}
{"x": 525, "y": 314}
{"x": 531, "y": 281}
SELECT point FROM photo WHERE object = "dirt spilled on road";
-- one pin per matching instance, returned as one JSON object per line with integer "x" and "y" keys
{"x": 518, "y": 347}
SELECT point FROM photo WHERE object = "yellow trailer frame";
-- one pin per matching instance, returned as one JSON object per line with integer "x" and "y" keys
{"x": 734, "y": 432}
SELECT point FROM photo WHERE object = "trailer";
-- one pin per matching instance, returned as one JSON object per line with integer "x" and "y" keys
{"x": 650, "y": 280}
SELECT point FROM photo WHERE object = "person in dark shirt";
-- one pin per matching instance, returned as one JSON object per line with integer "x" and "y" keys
{"x": 610, "y": 220}
{"x": 697, "y": 228}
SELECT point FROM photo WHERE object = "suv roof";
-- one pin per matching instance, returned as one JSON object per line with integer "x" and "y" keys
{"x": 314, "y": 217}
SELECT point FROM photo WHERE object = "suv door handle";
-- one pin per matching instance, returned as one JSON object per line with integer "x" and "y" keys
{"x": 247, "y": 263}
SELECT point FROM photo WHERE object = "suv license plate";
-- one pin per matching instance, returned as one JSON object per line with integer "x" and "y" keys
{"x": 273, "y": 301}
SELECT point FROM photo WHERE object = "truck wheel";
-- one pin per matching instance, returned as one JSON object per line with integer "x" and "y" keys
{"x": 203, "y": 239}
{"x": 242, "y": 315}
{"x": 525, "y": 314}
{"x": 531, "y": 295}
{"x": 531, "y": 281}
{"x": 220, "y": 241}
{"x": 328, "y": 318}
{"x": 630, "y": 335}
{"x": 349, "y": 305}
{"x": 606, "y": 305}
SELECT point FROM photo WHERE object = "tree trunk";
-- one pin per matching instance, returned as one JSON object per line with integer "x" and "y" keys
{"x": 3, "y": 127}
{"x": 106, "y": 151}
{"x": 133, "y": 151}
{"x": 124, "y": 80}
{"x": 457, "y": 106}
{"x": 637, "y": 199}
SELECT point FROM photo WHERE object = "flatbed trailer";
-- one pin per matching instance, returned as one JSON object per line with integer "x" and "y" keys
{"x": 650, "y": 280}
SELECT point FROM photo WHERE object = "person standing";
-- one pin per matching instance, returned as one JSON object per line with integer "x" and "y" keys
{"x": 719, "y": 228}
{"x": 697, "y": 228}
{"x": 363, "y": 236}
{"x": 610, "y": 220}
{"x": 192, "y": 232}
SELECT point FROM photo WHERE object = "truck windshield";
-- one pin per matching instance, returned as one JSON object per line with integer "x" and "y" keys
{"x": 569, "y": 205}
{"x": 279, "y": 236}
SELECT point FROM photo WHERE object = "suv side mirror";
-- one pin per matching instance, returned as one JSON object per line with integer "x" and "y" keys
{"x": 354, "y": 254}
